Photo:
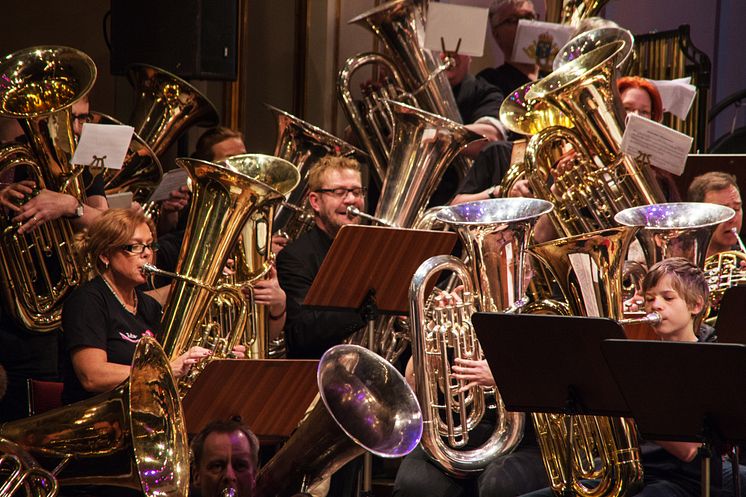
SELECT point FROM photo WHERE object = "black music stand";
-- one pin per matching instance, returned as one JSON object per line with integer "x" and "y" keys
{"x": 669, "y": 389}
{"x": 369, "y": 269}
{"x": 729, "y": 324}
{"x": 541, "y": 363}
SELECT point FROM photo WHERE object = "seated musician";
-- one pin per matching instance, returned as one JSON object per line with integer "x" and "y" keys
{"x": 720, "y": 188}
{"x": 104, "y": 318}
{"x": 225, "y": 456}
{"x": 519, "y": 472}
{"x": 677, "y": 290}
{"x": 334, "y": 183}
{"x": 26, "y": 353}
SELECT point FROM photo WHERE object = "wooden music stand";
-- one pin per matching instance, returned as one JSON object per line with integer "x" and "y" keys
{"x": 270, "y": 395}
{"x": 372, "y": 266}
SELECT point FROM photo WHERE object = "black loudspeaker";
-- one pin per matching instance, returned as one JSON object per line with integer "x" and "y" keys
{"x": 194, "y": 39}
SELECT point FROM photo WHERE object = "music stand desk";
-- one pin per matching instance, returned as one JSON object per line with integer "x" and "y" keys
{"x": 729, "y": 326}
{"x": 545, "y": 363}
{"x": 375, "y": 262}
{"x": 270, "y": 395}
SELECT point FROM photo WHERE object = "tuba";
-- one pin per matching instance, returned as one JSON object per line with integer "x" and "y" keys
{"x": 495, "y": 234}
{"x": 572, "y": 11}
{"x": 603, "y": 180}
{"x": 365, "y": 404}
{"x": 38, "y": 86}
{"x": 588, "y": 270}
{"x": 253, "y": 256}
{"x": 424, "y": 146}
{"x": 134, "y": 435}
{"x": 165, "y": 106}
{"x": 412, "y": 76}
{"x": 302, "y": 144}
{"x": 223, "y": 202}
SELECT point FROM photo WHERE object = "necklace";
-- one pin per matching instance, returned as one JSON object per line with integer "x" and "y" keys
{"x": 119, "y": 299}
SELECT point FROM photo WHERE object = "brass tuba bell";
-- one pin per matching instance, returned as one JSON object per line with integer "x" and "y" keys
{"x": 38, "y": 87}
{"x": 365, "y": 404}
{"x": 133, "y": 436}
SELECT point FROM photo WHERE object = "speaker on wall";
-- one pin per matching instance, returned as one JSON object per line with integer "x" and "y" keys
{"x": 194, "y": 39}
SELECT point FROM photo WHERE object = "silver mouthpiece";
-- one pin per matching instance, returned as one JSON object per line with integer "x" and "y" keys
{"x": 652, "y": 319}
{"x": 228, "y": 492}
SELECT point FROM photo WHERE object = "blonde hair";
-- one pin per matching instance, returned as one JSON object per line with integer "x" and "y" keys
{"x": 113, "y": 228}
{"x": 329, "y": 163}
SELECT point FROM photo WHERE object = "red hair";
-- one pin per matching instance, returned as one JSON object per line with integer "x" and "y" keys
{"x": 656, "y": 104}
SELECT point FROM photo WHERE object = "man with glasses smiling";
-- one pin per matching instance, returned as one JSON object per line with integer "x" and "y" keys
{"x": 335, "y": 184}
{"x": 504, "y": 16}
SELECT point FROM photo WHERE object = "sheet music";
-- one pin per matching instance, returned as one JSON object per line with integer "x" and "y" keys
{"x": 453, "y": 23}
{"x": 107, "y": 143}
{"x": 172, "y": 180}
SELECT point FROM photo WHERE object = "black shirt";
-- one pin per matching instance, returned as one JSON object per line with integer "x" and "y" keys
{"x": 506, "y": 77}
{"x": 489, "y": 168}
{"x": 309, "y": 333}
{"x": 93, "y": 317}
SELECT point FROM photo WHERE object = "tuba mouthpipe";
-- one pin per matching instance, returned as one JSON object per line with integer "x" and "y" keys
{"x": 652, "y": 319}
{"x": 353, "y": 211}
{"x": 740, "y": 242}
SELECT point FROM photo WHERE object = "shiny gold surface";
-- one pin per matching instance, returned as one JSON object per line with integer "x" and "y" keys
{"x": 223, "y": 201}
{"x": 133, "y": 436}
{"x": 38, "y": 86}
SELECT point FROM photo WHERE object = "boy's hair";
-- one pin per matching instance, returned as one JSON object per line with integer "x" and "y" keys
{"x": 713, "y": 181}
{"x": 686, "y": 278}
{"x": 329, "y": 163}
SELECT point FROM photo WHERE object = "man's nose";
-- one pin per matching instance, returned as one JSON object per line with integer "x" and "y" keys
{"x": 230, "y": 474}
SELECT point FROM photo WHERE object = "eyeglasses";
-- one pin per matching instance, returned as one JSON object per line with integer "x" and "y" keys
{"x": 529, "y": 16}
{"x": 139, "y": 248}
{"x": 342, "y": 192}
{"x": 83, "y": 118}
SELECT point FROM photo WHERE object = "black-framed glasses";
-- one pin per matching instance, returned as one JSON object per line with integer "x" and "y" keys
{"x": 139, "y": 248}
{"x": 342, "y": 192}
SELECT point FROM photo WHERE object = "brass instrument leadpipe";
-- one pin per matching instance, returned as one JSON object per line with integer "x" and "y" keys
{"x": 734, "y": 230}
{"x": 353, "y": 211}
{"x": 652, "y": 319}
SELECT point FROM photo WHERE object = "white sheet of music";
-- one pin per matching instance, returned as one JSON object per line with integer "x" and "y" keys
{"x": 647, "y": 140}
{"x": 172, "y": 180}
{"x": 103, "y": 145}
{"x": 586, "y": 272}
{"x": 452, "y": 23}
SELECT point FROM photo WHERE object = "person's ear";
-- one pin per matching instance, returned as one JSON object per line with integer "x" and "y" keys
{"x": 313, "y": 199}
{"x": 104, "y": 260}
{"x": 698, "y": 306}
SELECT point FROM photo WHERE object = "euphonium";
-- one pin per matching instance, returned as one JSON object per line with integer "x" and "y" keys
{"x": 165, "y": 106}
{"x": 365, "y": 404}
{"x": 133, "y": 436}
{"x": 424, "y": 146}
{"x": 676, "y": 229}
{"x": 223, "y": 201}
{"x": 494, "y": 233}
{"x": 572, "y": 11}
{"x": 253, "y": 254}
{"x": 593, "y": 39}
{"x": 603, "y": 180}
{"x": 411, "y": 75}
{"x": 303, "y": 144}
{"x": 588, "y": 270}
{"x": 38, "y": 86}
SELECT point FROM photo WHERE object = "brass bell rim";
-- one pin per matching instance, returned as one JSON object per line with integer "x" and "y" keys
{"x": 602, "y": 36}
{"x": 635, "y": 216}
{"x": 403, "y": 401}
{"x": 84, "y": 65}
{"x": 377, "y": 10}
{"x": 575, "y": 71}
{"x": 286, "y": 170}
{"x": 434, "y": 120}
{"x": 515, "y": 210}
{"x": 209, "y": 120}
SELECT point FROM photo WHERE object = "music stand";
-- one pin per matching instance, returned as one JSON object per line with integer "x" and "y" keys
{"x": 729, "y": 324}
{"x": 369, "y": 269}
{"x": 668, "y": 387}
{"x": 255, "y": 389}
{"x": 541, "y": 363}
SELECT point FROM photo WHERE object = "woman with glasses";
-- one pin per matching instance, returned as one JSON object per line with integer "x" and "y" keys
{"x": 103, "y": 319}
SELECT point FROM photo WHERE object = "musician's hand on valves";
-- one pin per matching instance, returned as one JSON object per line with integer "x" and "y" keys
{"x": 177, "y": 200}
{"x": 238, "y": 352}
{"x": 278, "y": 243}
{"x": 13, "y": 194}
{"x": 182, "y": 364}
{"x": 269, "y": 292}
{"x": 475, "y": 373}
{"x": 45, "y": 206}
{"x": 521, "y": 188}
{"x": 634, "y": 304}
